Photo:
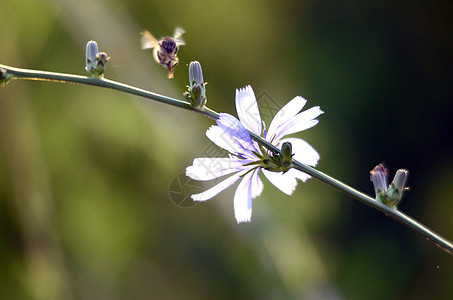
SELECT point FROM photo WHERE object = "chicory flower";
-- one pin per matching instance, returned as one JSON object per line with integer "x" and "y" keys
{"x": 247, "y": 158}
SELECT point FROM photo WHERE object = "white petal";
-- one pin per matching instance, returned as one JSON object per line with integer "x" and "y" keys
{"x": 257, "y": 184}
{"x": 207, "y": 168}
{"x": 285, "y": 182}
{"x": 208, "y": 194}
{"x": 236, "y": 131}
{"x": 303, "y": 151}
{"x": 302, "y": 121}
{"x": 299, "y": 175}
{"x": 243, "y": 199}
{"x": 247, "y": 109}
{"x": 288, "y": 111}
{"x": 223, "y": 140}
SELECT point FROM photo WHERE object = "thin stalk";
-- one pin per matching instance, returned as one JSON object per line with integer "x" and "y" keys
{"x": 17, "y": 73}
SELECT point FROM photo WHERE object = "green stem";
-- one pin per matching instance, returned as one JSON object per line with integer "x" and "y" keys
{"x": 17, "y": 73}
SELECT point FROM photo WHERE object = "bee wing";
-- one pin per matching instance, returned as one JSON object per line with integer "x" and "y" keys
{"x": 148, "y": 40}
{"x": 156, "y": 58}
{"x": 178, "y": 36}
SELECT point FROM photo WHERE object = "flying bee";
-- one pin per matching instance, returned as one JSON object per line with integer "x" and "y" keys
{"x": 166, "y": 49}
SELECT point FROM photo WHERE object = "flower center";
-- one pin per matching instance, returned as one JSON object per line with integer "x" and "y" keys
{"x": 274, "y": 162}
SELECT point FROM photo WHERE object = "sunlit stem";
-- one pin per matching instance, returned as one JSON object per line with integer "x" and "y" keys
{"x": 18, "y": 73}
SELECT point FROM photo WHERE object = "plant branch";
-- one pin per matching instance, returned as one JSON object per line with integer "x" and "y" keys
{"x": 17, "y": 73}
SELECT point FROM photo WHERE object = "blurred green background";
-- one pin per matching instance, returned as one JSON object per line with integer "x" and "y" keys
{"x": 86, "y": 173}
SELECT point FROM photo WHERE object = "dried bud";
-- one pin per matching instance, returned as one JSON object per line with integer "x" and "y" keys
{"x": 95, "y": 61}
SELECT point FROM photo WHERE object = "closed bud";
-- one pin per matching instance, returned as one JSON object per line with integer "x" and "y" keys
{"x": 287, "y": 154}
{"x": 102, "y": 58}
{"x": 195, "y": 73}
{"x": 4, "y": 76}
{"x": 400, "y": 179}
{"x": 278, "y": 162}
{"x": 95, "y": 61}
{"x": 389, "y": 195}
{"x": 91, "y": 54}
{"x": 397, "y": 187}
{"x": 379, "y": 178}
{"x": 196, "y": 93}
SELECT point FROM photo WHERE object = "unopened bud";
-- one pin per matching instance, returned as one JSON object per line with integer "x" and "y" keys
{"x": 196, "y": 93}
{"x": 379, "y": 178}
{"x": 287, "y": 154}
{"x": 389, "y": 195}
{"x": 4, "y": 76}
{"x": 279, "y": 162}
{"x": 397, "y": 187}
{"x": 95, "y": 61}
{"x": 102, "y": 58}
{"x": 91, "y": 53}
{"x": 400, "y": 179}
{"x": 195, "y": 73}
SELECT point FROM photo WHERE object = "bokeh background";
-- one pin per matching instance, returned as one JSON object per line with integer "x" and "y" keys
{"x": 89, "y": 176}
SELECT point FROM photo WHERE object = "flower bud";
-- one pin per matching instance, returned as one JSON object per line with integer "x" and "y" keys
{"x": 400, "y": 179}
{"x": 287, "y": 154}
{"x": 95, "y": 61}
{"x": 389, "y": 195}
{"x": 4, "y": 76}
{"x": 397, "y": 187}
{"x": 196, "y": 93}
{"x": 195, "y": 73}
{"x": 379, "y": 179}
{"x": 277, "y": 162}
{"x": 102, "y": 58}
{"x": 91, "y": 53}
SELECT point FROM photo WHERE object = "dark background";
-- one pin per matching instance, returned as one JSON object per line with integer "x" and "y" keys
{"x": 87, "y": 175}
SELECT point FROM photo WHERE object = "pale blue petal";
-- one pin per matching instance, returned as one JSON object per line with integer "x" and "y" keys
{"x": 284, "y": 182}
{"x": 208, "y": 194}
{"x": 237, "y": 132}
{"x": 243, "y": 199}
{"x": 288, "y": 111}
{"x": 207, "y": 168}
{"x": 247, "y": 109}
{"x": 303, "y": 151}
{"x": 224, "y": 141}
{"x": 302, "y": 121}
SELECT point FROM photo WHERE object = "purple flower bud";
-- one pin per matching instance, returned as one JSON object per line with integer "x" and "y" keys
{"x": 397, "y": 187}
{"x": 195, "y": 73}
{"x": 95, "y": 61}
{"x": 102, "y": 58}
{"x": 91, "y": 54}
{"x": 400, "y": 179}
{"x": 389, "y": 195}
{"x": 379, "y": 179}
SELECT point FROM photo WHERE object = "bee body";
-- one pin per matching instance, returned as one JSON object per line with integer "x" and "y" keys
{"x": 165, "y": 50}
